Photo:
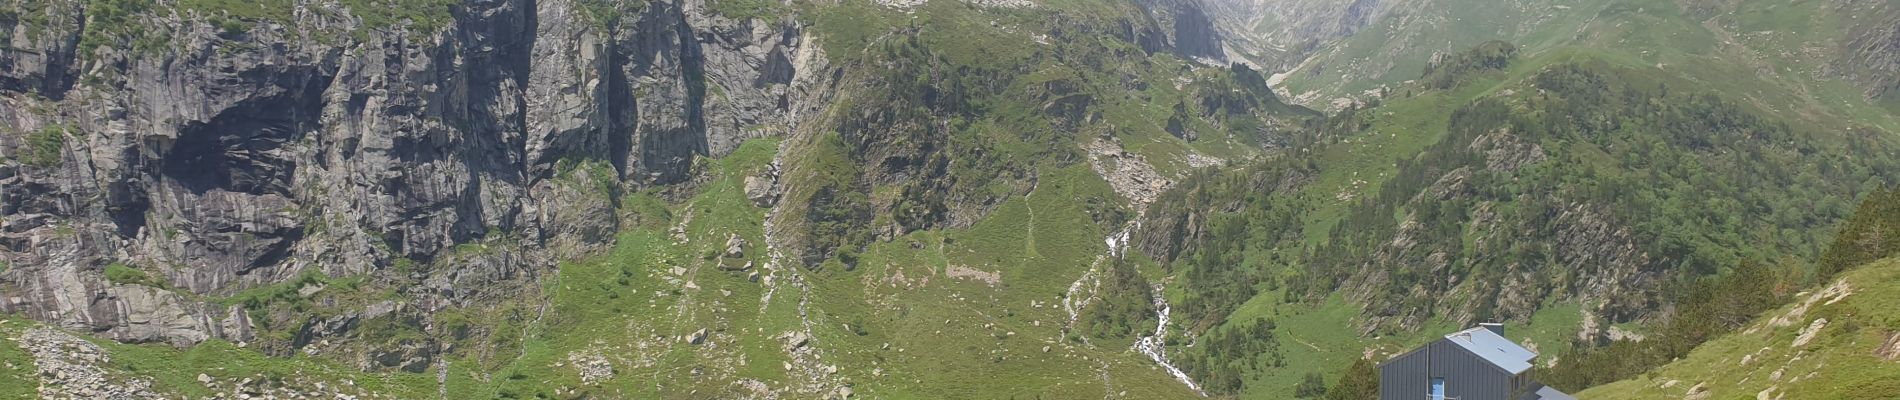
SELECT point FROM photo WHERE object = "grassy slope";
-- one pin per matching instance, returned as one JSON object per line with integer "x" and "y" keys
{"x": 965, "y": 338}
{"x": 951, "y": 337}
{"x": 174, "y": 371}
{"x": 1839, "y": 363}
{"x": 17, "y": 376}
{"x": 947, "y": 337}
{"x": 630, "y": 307}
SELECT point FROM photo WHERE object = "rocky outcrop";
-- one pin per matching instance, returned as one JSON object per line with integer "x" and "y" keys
{"x": 1872, "y": 47}
{"x": 1504, "y": 152}
{"x": 1129, "y": 174}
{"x": 1179, "y": 219}
{"x": 1808, "y": 333}
{"x": 72, "y": 368}
{"x": 1422, "y": 271}
{"x": 38, "y": 46}
{"x": 1889, "y": 349}
{"x": 150, "y": 314}
{"x": 1189, "y": 32}
{"x": 229, "y": 160}
{"x": 762, "y": 191}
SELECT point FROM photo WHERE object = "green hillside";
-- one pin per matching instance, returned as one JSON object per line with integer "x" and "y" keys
{"x": 1725, "y": 317}
{"x": 1504, "y": 191}
{"x": 1504, "y": 180}
{"x": 1838, "y": 341}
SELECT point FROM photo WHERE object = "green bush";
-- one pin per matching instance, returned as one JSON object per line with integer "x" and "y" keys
{"x": 222, "y": 12}
{"x": 44, "y": 146}
{"x": 746, "y": 9}
{"x": 1708, "y": 308}
{"x": 1123, "y": 309}
{"x": 121, "y": 274}
{"x": 107, "y": 21}
{"x": 1359, "y": 382}
{"x": 1223, "y": 358}
{"x": 423, "y": 16}
{"x": 1871, "y": 234}
{"x": 1449, "y": 72}
{"x": 231, "y": 26}
{"x": 1312, "y": 386}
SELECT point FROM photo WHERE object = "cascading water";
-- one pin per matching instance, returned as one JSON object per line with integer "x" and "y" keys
{"x": 1155, "y": 346}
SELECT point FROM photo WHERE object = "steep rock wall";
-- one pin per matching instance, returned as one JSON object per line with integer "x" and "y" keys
{"x": 224, "y": 160}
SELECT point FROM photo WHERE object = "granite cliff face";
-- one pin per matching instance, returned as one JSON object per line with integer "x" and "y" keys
{"x": 170, "y": 167}
{"x": 1871, "y": 52}
{"x": 232, "y": 157}
{"x": 1189, "y": 30}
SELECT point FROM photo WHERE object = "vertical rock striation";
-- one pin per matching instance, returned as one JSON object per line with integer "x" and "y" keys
{"x": 226, "y": 159}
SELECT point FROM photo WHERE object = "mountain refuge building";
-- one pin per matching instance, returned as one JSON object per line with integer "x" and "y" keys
{"x": 1472, "y": 364}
